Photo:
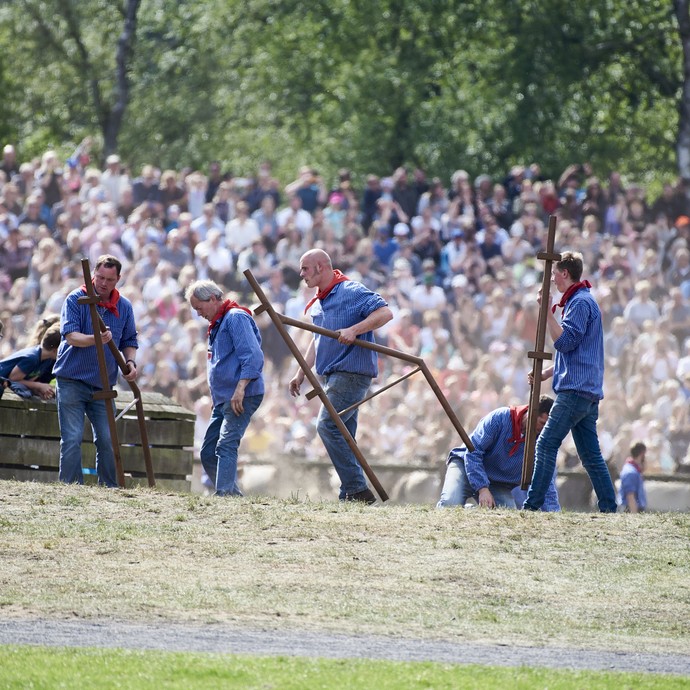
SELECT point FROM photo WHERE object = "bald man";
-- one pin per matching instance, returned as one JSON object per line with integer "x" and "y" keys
{"x": 346, "y": 306}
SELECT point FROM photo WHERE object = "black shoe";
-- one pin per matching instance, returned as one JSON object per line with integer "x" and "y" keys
{"x": 366, "y": 496}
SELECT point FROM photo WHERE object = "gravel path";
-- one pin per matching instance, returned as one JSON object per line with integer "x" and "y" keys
{"x": 229, "y": 640}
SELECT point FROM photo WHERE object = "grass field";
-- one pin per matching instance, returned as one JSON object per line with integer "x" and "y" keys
{"x": 573, "y": 580}
{"x": 127, "y": 670}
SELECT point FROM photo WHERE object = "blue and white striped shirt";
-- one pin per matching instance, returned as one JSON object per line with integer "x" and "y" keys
{"x": 579, "y": 360}
{"x": 234, "y": 353}
{"x": 490, "y": 460}
{"x": 345, "y": 305}
{"x": 81, "y": 363}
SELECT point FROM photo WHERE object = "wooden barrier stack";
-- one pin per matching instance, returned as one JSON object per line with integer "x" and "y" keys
{"x": 30, "y": 441}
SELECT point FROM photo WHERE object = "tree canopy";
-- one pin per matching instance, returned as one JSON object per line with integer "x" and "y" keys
{"x": 370, "y": 85}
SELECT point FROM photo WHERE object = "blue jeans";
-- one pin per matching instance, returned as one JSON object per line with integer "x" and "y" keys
{"x": 74, "y": 400}
{"x": 457, "y": 489}
{"x": 222, "y": 441}
{"x": 343, "y": 389}
{"x": 571, "y": 412}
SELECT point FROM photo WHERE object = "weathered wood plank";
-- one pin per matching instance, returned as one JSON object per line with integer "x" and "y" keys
{"x": 45, "y": 453}
{"x": 156, "y": 405}
{"x": 24, "y": 474}
{"x": 44, "y": 424}
{"x": 171, "y": 461}
{"x": 16, "y": 421}
{"x": 161, "y": 432}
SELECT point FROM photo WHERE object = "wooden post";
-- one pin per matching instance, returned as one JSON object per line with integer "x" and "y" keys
{"x": 106, "y": 393}
{"x": 548, "y": 257}
{"x": 141, "y": 419}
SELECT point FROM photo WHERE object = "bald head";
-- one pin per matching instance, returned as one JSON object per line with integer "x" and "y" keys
{"x": 316, "y": 269}
{"x": 317, "y": 256}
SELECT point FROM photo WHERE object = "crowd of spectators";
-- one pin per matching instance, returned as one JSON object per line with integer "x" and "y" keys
{"x": 455, "y": 259}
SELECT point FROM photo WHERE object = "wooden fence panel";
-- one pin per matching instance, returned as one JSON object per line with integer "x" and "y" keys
{"x": 30, "y": 441}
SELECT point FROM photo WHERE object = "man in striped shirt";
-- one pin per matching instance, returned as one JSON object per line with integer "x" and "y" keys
{"x": 578, "y": 377}
{"x": 348, "y": 307}
{"x": 77, "y": 374}
{"x": 235, "y": 379}
{"x": 493, "y": 470}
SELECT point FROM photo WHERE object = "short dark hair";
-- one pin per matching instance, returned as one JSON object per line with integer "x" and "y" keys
{"x": 109, "y": 261}
{"x": 545, "y": 405}
{"x": 571, "y": 262}
{"x": 638, "y": 449}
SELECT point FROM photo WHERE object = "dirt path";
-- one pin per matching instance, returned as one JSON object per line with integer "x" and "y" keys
{"x": 229, "y": 640}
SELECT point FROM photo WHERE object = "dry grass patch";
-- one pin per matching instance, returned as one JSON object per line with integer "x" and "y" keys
{"x": 586, "y": 580}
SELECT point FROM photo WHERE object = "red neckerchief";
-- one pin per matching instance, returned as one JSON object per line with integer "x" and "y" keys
{"x": 111, "y": 304}
{"x": 630, "y": 461}
{"x": 517, "y": 414}
{"x": 338, "y": 277}
{"x": 569, "y": 293}
{"x": 224, "y": 309}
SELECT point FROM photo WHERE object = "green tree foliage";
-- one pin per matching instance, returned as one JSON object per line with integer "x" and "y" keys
{"x": 368, "y": 84}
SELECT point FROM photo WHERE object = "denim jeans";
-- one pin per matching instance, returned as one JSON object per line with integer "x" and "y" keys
{"x": 222, "y": 441}
{"x": 457, "y": 489}
{"x": 343, "y": 389}
{"x": 74, "y": 400}
{"x": 571, "y": 412}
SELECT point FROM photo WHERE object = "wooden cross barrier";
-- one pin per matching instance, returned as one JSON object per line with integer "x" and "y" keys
{"x": 548, "y": 257}
{"x": 280, "y": 321}
{"x": 92, "y": 299}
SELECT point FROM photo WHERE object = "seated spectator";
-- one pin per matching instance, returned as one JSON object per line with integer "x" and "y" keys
{"x": 32, "y": 216}
{"x": 428, "y": 295}
{"x": 15, "y": 255}
{"x": 242, "y": 230}
{"x": 175, "y": 252}
{"x": 335, "y": 213}
{"x": 161, "y": 280}
{"x": 516, "y": 249}
{"x": 170, "y": 192}
{"x": 384, "y": 248}
{"x": 426, "y": 239}
{"x": 114, "y": 179}
{"x": 641, "y": 308}
{"x": 206, "y": 222}
{"x": 196, "y": 185}
{"x": 267, "y": 220}
{"x": 145, "y": 188}
{"x": 434, "y": 199}
{"x": 403, "y": 334}
{"x": 218, "y": 260}
{"x": 293, "y": 214}
{"x": 258, "y": 260}
{"x": 308, "y": 188}
{"x": 290, "y": 248}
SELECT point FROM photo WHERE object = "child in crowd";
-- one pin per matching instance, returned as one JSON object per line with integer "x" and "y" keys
{"x": 28, "y": 371}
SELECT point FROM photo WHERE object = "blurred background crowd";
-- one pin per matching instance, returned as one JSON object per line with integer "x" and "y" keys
{"x": 455, "y": 259}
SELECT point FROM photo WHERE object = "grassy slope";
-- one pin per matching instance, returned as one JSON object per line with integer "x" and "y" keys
{"x": 582, "y": 580}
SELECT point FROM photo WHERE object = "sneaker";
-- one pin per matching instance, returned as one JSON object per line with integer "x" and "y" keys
{"x": 366, "y": 496}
